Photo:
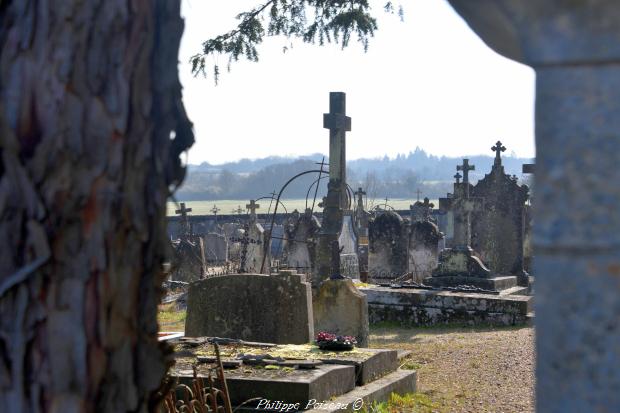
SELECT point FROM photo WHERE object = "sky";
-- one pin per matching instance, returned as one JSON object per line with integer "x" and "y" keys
{"x": 427, "y": 82}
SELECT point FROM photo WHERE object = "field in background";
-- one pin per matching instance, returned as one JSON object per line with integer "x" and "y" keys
{"x": 227, "y": 206}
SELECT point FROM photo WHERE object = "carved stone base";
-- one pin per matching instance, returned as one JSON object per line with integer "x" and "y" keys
{"x": 460, "y": 262}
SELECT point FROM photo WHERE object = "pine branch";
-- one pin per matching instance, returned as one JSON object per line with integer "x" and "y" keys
{"x": 333, "y": 21}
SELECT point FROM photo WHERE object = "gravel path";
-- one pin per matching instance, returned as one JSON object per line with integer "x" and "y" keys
{"x": 467, "y": 369}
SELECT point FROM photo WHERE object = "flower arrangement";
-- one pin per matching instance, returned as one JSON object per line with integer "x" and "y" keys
{"x": 329, "y": 341}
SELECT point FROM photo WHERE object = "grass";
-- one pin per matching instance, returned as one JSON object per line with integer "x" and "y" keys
{"x": 411, "y": 402}
{"x": 170, "y": 318}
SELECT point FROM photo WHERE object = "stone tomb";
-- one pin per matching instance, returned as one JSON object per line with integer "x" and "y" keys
{"x": 255, "y": 307}
{"x": 216, "y": 248}
{"x": 387, "y": 247}
{"x": 333, "y": 379}
{"x": 497, "y": 230}
{"x": 340, "y": 308}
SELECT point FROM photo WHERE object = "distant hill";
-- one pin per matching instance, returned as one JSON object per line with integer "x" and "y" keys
{"x": 398, "y": 177}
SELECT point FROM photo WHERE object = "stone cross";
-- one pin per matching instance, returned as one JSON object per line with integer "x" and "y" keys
{"x": 338, "y": 123}
{"x": 252, "y": 206}
{"x": 498, "y": 149}
{"x": 184, "y": 219}
{"x": 458, "y": 177}
{"x": 360, "y": 202}
{"x": 466, "y": 167}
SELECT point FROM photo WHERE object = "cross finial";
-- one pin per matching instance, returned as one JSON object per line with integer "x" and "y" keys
{"x": 252, "y": 206}
{"x": 466, "y": 167}
{"x": 498, "y": 149}
{"x": 418, "y": 192}
{"x": 215, "y": 209}
{"x": 360, "y": 193}
{"x": 458, "y": 177}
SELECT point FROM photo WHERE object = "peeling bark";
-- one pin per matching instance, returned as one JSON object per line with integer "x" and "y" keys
{"x": 89, "y": 100}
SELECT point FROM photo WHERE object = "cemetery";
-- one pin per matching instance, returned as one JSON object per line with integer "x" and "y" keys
{"x": 340, "y": 271}
{"x": 495, "y": 288}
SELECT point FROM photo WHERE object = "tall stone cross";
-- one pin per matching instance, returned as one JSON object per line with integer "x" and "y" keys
{"x": 338, "y": 124}
{"x": 184, "y": 219}
{"x": 498, "y": 149}
{"x": 252, "y": 206}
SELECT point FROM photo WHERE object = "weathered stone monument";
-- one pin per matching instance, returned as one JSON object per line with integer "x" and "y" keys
{"x": 301, "y": 235}
{"x": 342, "y": 309}
{"x": 387, "y": 248}
{"x": 361, "y": 227}
{"x": 459, "y": 264}
{"x": 252, "y": 307}
{"x": 347, "y": 241}
{"x": 497, "y": 229}
{"x": 336, "y": 200}
{"x": 216, "y": 248}
{"x": 255, "y": 245}
{"x": 423, "y": 242}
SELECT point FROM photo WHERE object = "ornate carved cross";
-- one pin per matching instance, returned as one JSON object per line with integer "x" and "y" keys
{"x": 498, "y": 149}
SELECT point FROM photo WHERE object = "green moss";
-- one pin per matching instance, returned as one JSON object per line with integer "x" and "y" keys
{"x": 410, "y": 402}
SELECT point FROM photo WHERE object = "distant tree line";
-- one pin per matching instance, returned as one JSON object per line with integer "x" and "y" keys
{"x": 400, "y": 177}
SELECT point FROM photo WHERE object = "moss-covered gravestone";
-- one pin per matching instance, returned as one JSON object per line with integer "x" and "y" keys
{"x": 252, "y": 307}
{"x": 340, "y": 308}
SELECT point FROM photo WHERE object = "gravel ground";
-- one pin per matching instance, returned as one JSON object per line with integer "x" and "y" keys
{"x": 468, "y": 369}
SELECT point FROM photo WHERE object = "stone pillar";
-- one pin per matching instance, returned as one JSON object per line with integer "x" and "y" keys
{"x": 574, "y": 46}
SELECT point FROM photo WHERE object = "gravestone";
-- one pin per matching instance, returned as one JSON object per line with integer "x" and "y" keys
{"x": 361, "y": 227}
{"x": 251, "y": 307}
{"x": 188, "y": 263}
{"x": 254, "y": 253}
{"x": 387, "y": 247}
{"x": 347, "y": 239}
{"x": 340, "y": 308}
{"x": 216, "y": 248}
{"x": 423, "y": 249}
{"x": 301, "y": 234}
{"x": 497, "y": 229}
{"x": 277, "y": 241}
{"x": 349, "y": 261}
{"x": 349, "y": 266}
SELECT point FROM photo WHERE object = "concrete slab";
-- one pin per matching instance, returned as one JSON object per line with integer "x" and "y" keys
{"x": 377, "y": 364}
{"x": 399, "y": 381}
{"x": 283, "y": 385}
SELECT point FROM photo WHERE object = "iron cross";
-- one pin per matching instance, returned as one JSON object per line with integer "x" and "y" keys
{"x": 498, "y": 149}
{"x": 183, "y": 212}
{"x": 466, "y": 167}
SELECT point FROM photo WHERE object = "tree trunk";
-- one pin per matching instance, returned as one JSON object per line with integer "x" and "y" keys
{"x": 91, "y": 129}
